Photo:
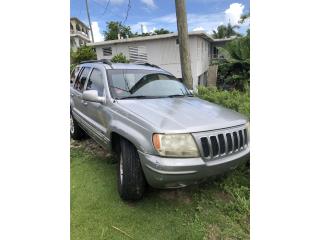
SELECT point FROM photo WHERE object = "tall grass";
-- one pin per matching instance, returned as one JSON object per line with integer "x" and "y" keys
{"x": 236, "y": 100}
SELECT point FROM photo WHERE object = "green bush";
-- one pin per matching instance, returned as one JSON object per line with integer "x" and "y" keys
{"x": 119, "y": 58}
{"x": 236, "y": 100}
{"x": 234, "y": 69}
{"x": 83, "y": 53}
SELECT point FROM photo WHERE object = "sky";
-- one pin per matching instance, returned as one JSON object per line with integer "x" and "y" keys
{"x": 204, "y": 15}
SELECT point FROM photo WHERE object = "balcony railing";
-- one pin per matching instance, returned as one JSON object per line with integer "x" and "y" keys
{"x": 79, "y": 32}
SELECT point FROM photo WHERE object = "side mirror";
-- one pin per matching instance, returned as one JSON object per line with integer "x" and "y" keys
{"x": 92, "y": 96}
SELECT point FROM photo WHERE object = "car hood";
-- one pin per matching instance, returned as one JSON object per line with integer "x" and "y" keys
{"x": 187, "y": 114}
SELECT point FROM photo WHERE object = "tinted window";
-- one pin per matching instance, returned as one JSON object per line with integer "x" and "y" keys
{"x": 95, "y": 82}
{"x": 74, "y": 74}
{"x": 80, "y": 81}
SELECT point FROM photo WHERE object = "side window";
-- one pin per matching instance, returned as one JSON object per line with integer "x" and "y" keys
{"x": 74, "y": 73}
{"x": 81, "y": 79}
{"x": 95, "y": 82}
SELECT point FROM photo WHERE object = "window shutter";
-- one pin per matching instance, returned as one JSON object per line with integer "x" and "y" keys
{"x": 138, "y": 54}
{"x": 107, "y": 51}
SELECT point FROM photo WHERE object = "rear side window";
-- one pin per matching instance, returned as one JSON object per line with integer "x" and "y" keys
{"x": 80, "y": 81}
{"x": 74, "y": 74}
{"x": 95, "y": 82}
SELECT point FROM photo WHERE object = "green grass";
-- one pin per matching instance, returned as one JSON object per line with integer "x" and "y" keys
{"x": 216, "y": 209}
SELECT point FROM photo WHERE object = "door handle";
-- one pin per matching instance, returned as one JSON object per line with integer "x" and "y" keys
{"x": 85, "y": 103}
{"x": 72, "y": 95}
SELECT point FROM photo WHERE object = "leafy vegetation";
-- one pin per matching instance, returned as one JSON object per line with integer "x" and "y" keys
{"x": 115, "y": 28}
{"x": 216, "y": 209}
{"x": 83, "y": 53}
{"x": 234, "y": 68}
{"x": 226, "y": 31}
{"x": 119, "y": 58}
{"x": 236, "y": 100}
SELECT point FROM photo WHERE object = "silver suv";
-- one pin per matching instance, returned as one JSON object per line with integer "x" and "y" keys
{"x": 161, "y": 134}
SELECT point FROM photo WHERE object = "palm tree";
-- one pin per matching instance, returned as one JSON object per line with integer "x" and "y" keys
{"x": 224, "y": 31}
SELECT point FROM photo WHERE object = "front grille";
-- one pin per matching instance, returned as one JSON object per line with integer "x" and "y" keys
{"x": 222, "y": 142}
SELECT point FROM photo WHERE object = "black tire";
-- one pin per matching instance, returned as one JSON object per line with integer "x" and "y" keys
{"x": 132, "y": 184}
{"x": 76, "y": 131}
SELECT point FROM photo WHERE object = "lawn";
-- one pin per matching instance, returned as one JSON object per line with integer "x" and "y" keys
{"x": 216, "y": 209}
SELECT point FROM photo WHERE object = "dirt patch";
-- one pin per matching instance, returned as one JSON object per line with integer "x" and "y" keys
{"x": 225, "y": 197}
{"x": 176, "y": 195}
{"x": 213, "y": 232}
{"x": 90, "y": 146}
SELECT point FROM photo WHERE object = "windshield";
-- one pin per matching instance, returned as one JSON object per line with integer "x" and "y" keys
{"x": 144, "y": 84}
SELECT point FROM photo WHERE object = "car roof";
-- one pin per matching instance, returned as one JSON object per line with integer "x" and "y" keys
{"x": 124, "y": 66}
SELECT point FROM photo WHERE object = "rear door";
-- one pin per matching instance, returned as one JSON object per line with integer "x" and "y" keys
{"x": 95, "y": 113}
{"x": 76, "y": 94}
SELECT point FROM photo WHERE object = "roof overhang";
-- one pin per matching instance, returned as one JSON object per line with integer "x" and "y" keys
{"x": 201, "y": 34}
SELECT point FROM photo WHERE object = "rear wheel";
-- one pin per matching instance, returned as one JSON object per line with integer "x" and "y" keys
{"x": 75, "y": 130}
{"x": 131, "y": 181}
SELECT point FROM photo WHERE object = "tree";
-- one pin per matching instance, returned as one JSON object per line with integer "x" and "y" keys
{"x": 115, "y": 28}
{"x": 224, "y": 31}
{"x": 119, "y": 58}
{"x": 161, "y": 31}
{"x": 83, "y": 53}
{"x": 155, "y": 32}
{"x": 244, "y": 17}
{"x": 234, "y": 71}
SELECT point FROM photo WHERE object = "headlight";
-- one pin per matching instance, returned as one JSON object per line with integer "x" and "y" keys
{"x": 175, "y": 145}
{"x": 248, "y": 127}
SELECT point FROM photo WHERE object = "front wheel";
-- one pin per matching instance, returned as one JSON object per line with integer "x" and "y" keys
{"x": 131, "y": 181}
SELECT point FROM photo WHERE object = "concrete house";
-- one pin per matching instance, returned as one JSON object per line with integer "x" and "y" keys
{"x": 163, "y": 50}
{"x": 79, "y": 33}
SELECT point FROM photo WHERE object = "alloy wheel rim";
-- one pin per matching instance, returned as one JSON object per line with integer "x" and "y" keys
{"x": 121, "y": 169}
{"x": 71, "y": 125}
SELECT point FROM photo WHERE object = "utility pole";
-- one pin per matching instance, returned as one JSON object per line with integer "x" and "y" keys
{"x": 89, "y": 20}
{"x": 184, "y": 43}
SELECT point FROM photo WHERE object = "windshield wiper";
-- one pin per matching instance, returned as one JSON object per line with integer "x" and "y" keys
{"x": 138, "y": 97}
{"x": 176, "y": 95}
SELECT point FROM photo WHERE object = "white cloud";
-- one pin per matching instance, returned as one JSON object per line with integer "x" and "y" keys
{"x": 98, "y": 37}
{"x": 144, "y": 28}
{"x": 198, "y": 29}
{"x": 233, "y": 13}
{"x": 149, "y": 3}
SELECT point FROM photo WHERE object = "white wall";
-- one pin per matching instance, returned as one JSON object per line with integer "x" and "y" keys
{"x": 165, "y": 54}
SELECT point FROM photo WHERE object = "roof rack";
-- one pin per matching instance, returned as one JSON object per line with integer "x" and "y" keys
{"x": 105, "y": 61}
{"x": 149, "y": 64}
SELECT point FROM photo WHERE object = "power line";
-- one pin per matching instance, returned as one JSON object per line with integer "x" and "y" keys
{"x": 105, "y": 9}
{"x": 127, "y": 14}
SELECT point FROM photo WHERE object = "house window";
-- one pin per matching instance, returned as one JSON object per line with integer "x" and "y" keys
{"x": 215, "y": 52}
{"x": 71, "y": 27}
{"x": 107, "y": 51}
{"x": 138, "y": 54}
{"x": 78, "y": 27}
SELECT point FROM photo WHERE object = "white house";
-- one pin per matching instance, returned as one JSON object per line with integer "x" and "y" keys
{"x": 79, "y": 33}
{"x": 163, "y": 50}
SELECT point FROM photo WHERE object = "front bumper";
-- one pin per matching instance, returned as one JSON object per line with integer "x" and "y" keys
{"x": 163, "y": 172}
